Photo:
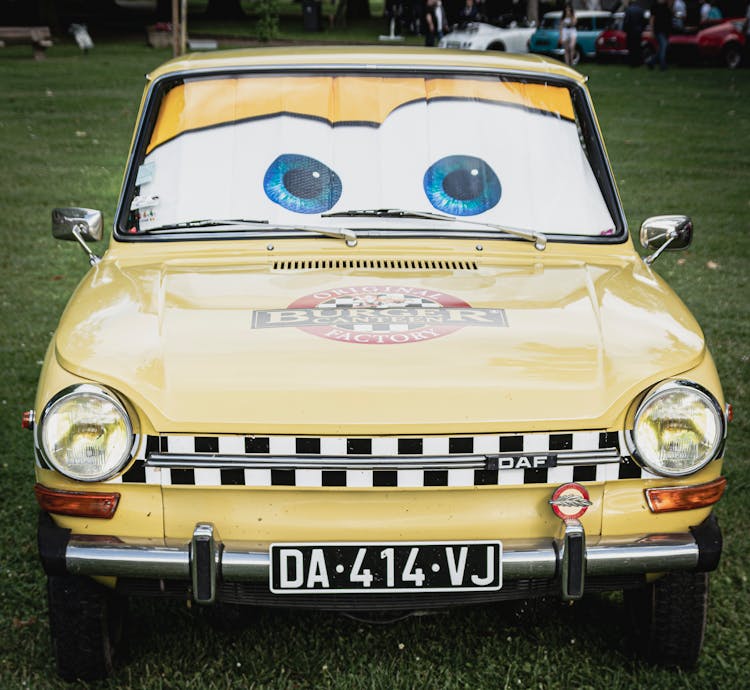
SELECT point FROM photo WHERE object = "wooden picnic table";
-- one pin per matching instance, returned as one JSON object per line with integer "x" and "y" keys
{"x": 39, "y": 37}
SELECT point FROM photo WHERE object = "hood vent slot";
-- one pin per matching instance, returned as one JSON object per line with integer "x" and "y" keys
{"x": 376, "y": 265}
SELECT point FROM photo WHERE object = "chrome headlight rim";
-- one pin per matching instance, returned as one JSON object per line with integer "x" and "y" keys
{"x": 97, "y": 391}
{"x": 663, "y": 389}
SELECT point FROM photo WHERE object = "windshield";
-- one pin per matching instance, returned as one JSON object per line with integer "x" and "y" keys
{"x": 550, "y": 22}
{"x": 287, "y": 149}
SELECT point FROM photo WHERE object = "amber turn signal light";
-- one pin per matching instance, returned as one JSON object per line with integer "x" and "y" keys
{"x": 671, "y": 498}
{"x": 77, "y": 503}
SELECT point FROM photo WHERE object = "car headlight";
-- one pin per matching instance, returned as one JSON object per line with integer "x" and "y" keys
{"x": 85, "y": 433}
{"x": 678, "y": 429}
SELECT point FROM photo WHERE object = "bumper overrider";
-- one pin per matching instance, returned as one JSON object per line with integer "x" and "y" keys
{"x": 206, "y": 563}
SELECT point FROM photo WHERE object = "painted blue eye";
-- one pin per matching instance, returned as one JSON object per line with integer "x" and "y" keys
{"x": 462, "y": 185}
{"x": 301, "y": 184}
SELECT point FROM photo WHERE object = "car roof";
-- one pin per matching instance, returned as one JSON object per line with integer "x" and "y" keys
{"x": 579, "y": 13}
{"x": 365, "y": 57}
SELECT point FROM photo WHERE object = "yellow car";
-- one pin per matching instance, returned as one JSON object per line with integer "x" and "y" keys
{"x": 371, "y": 334}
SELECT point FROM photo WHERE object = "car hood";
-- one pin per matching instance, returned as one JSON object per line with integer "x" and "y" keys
{"x": 235, "y": 347}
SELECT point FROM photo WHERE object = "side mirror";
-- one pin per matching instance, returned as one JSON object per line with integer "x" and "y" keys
{"x": 665, "y": 232}
{"x": 77, "y": 224}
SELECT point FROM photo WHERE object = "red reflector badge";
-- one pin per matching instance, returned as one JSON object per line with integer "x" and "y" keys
{"x": 570, "y": 501}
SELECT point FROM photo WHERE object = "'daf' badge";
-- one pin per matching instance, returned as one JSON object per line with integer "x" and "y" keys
{"x": 379, "y": 315}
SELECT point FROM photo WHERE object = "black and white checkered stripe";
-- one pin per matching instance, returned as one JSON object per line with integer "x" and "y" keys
{"x": 284, "y": 467}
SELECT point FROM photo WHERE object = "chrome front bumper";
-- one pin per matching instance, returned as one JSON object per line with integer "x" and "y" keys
{"x": 206, "y": 560}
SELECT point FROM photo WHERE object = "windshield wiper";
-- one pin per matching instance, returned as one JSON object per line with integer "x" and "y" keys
{"x": 240, "y": 223}
{"x": 204, "y": 223}
{"x": 342, "y": 233}
{"x": 387, "y": 213}
{"x": 539, "y": 239}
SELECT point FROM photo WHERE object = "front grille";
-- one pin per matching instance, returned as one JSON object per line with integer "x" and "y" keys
{"x": 254, "y": 594}
{"x": 258, "y": 595}
{"x": 382, "y": 461}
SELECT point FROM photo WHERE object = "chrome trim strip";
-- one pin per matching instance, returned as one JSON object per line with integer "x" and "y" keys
{"x": 179, "y": 460}
{"x": 85, "y": 557}
{"x": 355, "y": 462}
{"x": 238, "y": 566}
{"x": 539, "y": 558}
{"x": 537, "y": 562}
{"x": 653, "y": 554}
{"x": 590, "y": 457}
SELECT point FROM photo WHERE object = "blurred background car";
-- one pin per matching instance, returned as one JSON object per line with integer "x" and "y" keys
{"x": 590, "y": 23}
{"x": 713, "y": 41}
{"x": 611, "y": 43}
{"x": 511, "y": 36}
{"x": 719, "y": 41}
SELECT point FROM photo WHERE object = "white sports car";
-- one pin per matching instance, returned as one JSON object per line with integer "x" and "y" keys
{"x": 481, "y": 36}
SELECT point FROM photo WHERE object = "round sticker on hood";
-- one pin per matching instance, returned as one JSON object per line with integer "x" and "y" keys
{"x": 379, "y": 315}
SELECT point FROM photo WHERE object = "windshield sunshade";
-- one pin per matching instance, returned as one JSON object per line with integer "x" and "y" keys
{"x": 290, "y": 148}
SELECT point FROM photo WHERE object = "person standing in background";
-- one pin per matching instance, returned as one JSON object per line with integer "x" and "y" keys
{"x": 633, "y": 24}
{"x": 568, "y": 33}
{"x": 469, "y": 12}
{"x": 709, "y": 11}
{"x": 435, "y": 22}
{"x": 679, "y": 13}
{"x": 661, "y": 27}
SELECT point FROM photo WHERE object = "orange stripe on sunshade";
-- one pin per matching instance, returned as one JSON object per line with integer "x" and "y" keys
{"x": 212, "y": 102}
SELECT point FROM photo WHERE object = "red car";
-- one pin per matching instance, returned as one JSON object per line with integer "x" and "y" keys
{"x": 611, "y": 44}
{"x": 721, "y": 40}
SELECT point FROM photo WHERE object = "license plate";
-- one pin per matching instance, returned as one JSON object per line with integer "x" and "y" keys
{"x": 377, "y": 567}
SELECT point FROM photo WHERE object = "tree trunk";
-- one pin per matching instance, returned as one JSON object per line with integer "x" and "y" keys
{"x": 47, "y": 12}
{"x": 532, "y": 11}
{"x": 224, "y": 9}
{"x": 164, "y": 10}
{"x": 358, "y": 9}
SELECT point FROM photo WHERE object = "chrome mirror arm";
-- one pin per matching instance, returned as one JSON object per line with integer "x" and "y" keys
{"x": 671, "y": 237}
{"x": 93, "y": 258}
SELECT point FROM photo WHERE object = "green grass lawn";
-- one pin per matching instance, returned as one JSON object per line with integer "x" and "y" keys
{"x": 679, "y": 143}
{"x": 291, "y": 24}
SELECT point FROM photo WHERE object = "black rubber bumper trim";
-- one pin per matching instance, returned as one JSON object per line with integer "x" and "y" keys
{"x": 53, "y": 542}
{"x": 708, "y": 537}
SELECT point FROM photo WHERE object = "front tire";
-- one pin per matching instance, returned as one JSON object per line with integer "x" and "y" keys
{"x": 87, "y": 623}
{"x": 668, "y": 619}
{"x": 732, "y": 55}
{"x": 648, "y": 53}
